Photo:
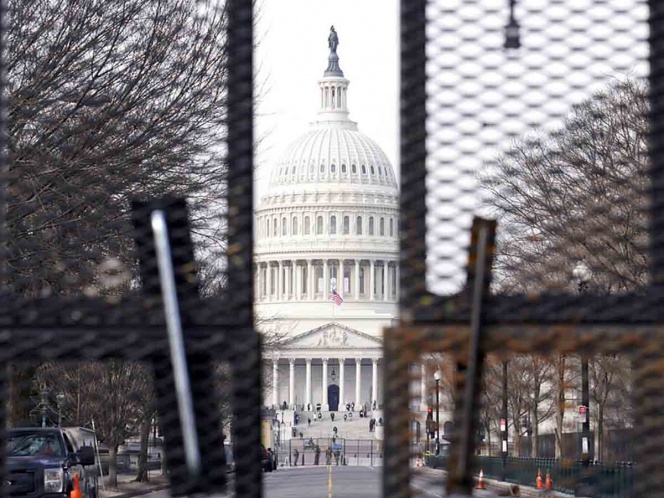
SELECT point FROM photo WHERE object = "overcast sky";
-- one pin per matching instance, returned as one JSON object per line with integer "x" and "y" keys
{"x": 291, "y": 56}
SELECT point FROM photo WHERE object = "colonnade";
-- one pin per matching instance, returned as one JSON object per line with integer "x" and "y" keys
{"x": 314, "y": 279}
{"x": 343, "y": 396}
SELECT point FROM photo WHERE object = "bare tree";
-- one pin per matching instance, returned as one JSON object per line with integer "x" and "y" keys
{"x": 577, "y": 194}
{"x": 108, "y": 101}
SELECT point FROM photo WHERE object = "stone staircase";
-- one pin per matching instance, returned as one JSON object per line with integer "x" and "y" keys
{"x": 354, "y": 427}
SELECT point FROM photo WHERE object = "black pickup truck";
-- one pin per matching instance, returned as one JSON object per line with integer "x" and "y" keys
{"x": 42, "y": 462}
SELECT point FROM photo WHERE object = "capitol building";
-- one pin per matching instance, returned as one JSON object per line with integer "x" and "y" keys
{"x": 326, "y": 259}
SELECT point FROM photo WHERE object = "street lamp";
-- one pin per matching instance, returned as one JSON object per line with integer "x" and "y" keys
{"x": 60, "y": 399}
{"x": 582, "y": 275}
{"x": 437, "y": 376}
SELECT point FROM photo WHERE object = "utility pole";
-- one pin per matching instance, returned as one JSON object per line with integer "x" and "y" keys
{"x": 503, "y": 421}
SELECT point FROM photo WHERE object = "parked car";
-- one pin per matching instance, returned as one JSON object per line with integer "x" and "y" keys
{"x": 42, "y": 462}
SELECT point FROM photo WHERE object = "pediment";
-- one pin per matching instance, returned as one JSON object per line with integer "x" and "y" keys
{"x": 332, "y": 336}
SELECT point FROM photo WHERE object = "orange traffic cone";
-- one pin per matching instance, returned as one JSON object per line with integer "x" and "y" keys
{"x": 549, "y": 481}
{"x": 480, "y": 481}
{"x": 76, "y": 492}
{"x": 539, "y": 479}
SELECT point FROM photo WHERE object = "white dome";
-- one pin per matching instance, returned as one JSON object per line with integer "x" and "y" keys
{"x": 334, "y": 152}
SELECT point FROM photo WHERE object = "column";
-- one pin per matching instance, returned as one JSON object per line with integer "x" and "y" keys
{"x": 310, "y": 276}
{"x": 287, "y": 282}
{"x": 342, "y": 382}
{"x": 423, "y": 389}
{"x": 275, "y": 383}
{"x": 374, "y": 382}
{"x": 357, "y": 279}
{"x": 324, "y": 406}
{"x": 386, "y": 281}
{"x": 326, "y": 282}
{"x": 396, "y": 281}
{"x": 269, "y": 282}
{"x": 340, "y": 278}
{"x": 307, "y": 387}
{"x": 297, "y": 289}
{"x": 358, "y": 380}
{"x": 373, "y": 282}
{"x": 280, "y": 281}
{"x": 291, "y": 382}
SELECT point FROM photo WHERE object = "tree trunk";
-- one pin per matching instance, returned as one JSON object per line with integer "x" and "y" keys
{"x": 535, "y": 435}
{"x": 112, "y": 466}
{"x": 599, "y": 433}
{"x": 142, "y": 475}
{"x": 20, "y": 392}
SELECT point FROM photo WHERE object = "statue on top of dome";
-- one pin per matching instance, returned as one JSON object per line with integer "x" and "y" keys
{"x": 333, "y": 40}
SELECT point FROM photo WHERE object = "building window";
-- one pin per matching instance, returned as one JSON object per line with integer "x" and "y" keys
{"x": 361, "y": 280}
{"x": 267, "y": 227}
{"x": 333, "y": 225}
{"x": 319, "y": 225}
{"x": 275, "y": 227}
{"x": 373, "y": 171}
{"x": 284, "y": 227}
{"x": 294, "y": 225}
{"x": 343, "y": 168}
{"x": 380, "y": 171}
{"x": 311, "y": 169}
{"x": 319, "y": 279}
{"x": 305, "y": 280}
{"x": 333, "y": 168}
{"x": 346, "y": 225}
{"x": 371, "y": 225}
{"x": 322, "y": 168}
{"x": 382, "y": 227}
{"x": 364, "y": 169}
{"x": 354, "y": 169}
{"x": 391, "y": 227}
{"x": 307, "y": 226}
{"x": 358, "y": 225}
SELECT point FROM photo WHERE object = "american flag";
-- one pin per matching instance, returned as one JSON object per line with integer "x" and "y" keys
{"x": 337, "y": 298}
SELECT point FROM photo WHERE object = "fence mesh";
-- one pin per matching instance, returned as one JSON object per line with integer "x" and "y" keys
{"x": 543, "y": 116}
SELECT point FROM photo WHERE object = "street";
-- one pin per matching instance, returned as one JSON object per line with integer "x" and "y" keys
{"x": 339, "y": 482}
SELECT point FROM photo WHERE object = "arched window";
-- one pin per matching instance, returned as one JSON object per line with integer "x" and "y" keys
{"x": 322, "y": 168}
{"x": 391, "y": 227}
{"x": 293, "y": 170}
{"x": 275, "y": 227}
{"x": 319, "y": 225}
{"x": 333, "y": 225}
{"x": 354, "y": 169}
{"x": 382, "y": 227}
{"x": 358, "y": 225}
{"x": 311, "y": 169}
{"x": 294, "y": 225}
{"x": 343, "y": 168}
{"x": 284, "y": 226}
{"x": 380, "y": 171}
{"x": 267, "y": 227}
{"x": 307, "y": 226}
{"x": 364, "y": 169}
{"x": 346, "y": 225}
{"x": 373, "y": 171}
{"x": 333, "y": 168}
{"x": 371, "y": 225}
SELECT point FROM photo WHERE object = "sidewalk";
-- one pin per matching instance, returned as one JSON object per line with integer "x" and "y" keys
{"x": 127, "y": 487}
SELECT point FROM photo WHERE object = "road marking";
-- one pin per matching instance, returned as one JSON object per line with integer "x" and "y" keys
{"x": 329, "y": 481}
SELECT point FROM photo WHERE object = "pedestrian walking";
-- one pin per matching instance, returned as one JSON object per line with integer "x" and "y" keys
{"x": 332, "y": 416}
{"x": 328, "y": 456}
{"x": 296, "y": 456}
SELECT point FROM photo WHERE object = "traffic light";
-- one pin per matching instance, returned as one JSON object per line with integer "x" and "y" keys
{"x": 429, "y": 414}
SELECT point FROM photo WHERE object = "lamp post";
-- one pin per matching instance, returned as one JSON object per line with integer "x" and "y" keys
{"x": 60, "y": 399}
{"x": 582, "y": 274}
{"x": 503, "y": 422}
{"x": 437, "y": 376}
